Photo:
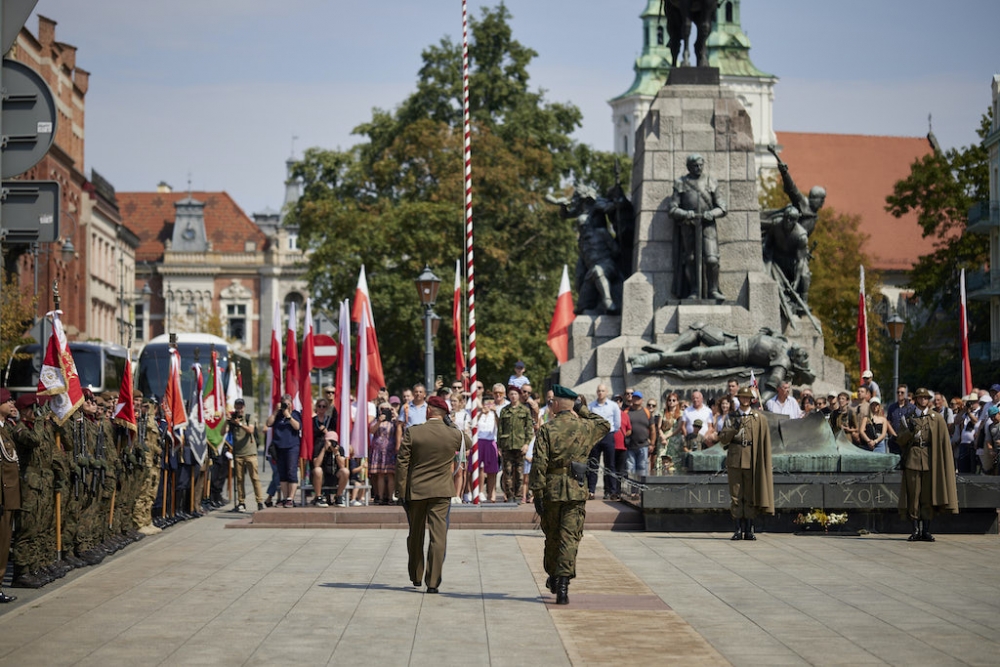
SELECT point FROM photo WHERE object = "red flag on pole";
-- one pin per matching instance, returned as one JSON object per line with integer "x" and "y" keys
{"x": 456, "y": 323}
{"x": 963, "y": 327}
{"x": 343, "y": 387}
{"x": 292, "y": 360}
{"x": 862, "y": 335}
{"x": 558, "y": 339}
{"x": 362, "y": 303}
{"x": 173, "y": 397}
{"x": 58, "y": 377}
{"x": 305, "y": 386}
{"x": 124, "y": 414}
{"x": 359, "y": 432}
{"x": 276, "y": 358}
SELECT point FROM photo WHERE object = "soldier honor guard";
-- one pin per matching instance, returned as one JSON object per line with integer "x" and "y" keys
{"x": 559, "y": 484}
{"x": 747, "y": 441}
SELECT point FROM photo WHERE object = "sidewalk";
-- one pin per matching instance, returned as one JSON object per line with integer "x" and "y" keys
{"x": 202, "y": 594}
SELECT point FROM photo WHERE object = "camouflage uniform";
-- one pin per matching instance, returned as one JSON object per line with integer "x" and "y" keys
{"x": 148, "y": 452}
{"x": 34, "y": 539}
{"x": 514, "y": 431}
{"x": 565, "y": 439}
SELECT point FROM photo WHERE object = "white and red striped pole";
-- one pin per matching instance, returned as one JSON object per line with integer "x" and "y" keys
{"x": 469, "y": 257}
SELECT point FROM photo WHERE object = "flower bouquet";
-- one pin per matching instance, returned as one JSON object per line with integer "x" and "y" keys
{"x": 822, "y": 519}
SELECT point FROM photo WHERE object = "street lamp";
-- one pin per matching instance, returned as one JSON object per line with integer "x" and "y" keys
{"x": 427, "y": 288}
{"x": 895, "y": 325}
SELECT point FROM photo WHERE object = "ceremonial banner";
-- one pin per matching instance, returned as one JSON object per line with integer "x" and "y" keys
{"x": 343, "y": 386}
{"x": 963, "y": 332}
{"x": 276, "y": 358}
{"x": 362, "y": 303}
{"x": 173, "y": 401}
{"x": 214, "y": 405}
{"x": 292, "y": 359}
{"x": 305, "y": 386}
{"x": 124, "y": 413}
{"x": 58, "y": 377}
{"x": 359, "y": 433}
{"x": 195, "y": 435}
{"x": 862, "y": 336}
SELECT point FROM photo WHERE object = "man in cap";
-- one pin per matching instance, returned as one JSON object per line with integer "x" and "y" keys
{"x": 964, "y": 436}
{"x": 747, "y": 440}
{"x": 928, "y": 481}
{"x": 241, "y": 431}
{"x": 559, "y": 483}
{"x": 991, "y": 441}
{"x": 868, "y": 381}
{"x": 425, "y": 466}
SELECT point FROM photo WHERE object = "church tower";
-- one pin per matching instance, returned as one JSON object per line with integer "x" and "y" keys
{"x": 728, "y": 49}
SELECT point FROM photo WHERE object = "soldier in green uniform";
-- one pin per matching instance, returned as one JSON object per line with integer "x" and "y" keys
{"x": 10, "y": 485}
{"x": 559, "y": 483}
{"x": 747, "y": 441}
{"x": 148, "y": 452}
{"x": 928, "y": 480}
{"x": 515, "y": 428}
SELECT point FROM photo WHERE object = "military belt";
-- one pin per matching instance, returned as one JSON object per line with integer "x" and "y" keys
{"x": 563, "y": 470}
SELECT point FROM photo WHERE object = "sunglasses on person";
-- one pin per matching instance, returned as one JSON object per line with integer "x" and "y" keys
{"x": 650, "y": 405}
{"x": 322, "y": 405}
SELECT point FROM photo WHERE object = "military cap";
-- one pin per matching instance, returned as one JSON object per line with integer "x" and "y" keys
{"x": 438, "y": 402}
{"x": 5, "y": 395}
{"x": 25, "y": 401}
{"x": 744, "y": 392}
{"x": 560, "y": 391}
{"x": 923, "y": 393}
{"x": 136, "y": 394}
{"x": 698, "y": 424}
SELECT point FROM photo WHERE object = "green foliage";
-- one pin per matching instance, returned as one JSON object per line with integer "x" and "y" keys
{"x": 17, "y": 312}
{"x": 395, "y": 202}
{"x": 940, "y": 189}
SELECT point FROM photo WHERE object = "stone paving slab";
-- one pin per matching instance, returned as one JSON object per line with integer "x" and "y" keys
{"x": 201, "y": 594}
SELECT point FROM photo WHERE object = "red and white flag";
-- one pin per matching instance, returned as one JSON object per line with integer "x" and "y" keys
{"x": 58, "y": 376}
{"x": 558, "y": 339}
{"x": 362, "y": 303}
{"x": 343, "y": 385}
{"x": 456, "y": 324}
{"x": 963, "y": 328}
{"x": 292, "y": 360}
{"x": 305, "y": 386}
{"x": 862, "y": 335}
{"x": 124, "y": 413}
{"x": 173, "y": 397}
{"x": 359, "y": 432}
{"x": 276, "y": 358}
{"x": 231, "y": 388}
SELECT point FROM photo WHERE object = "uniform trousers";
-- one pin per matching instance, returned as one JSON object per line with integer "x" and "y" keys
{"x": 741, "y": 493}
{"x": 431, "y": 515}
{"x": 247, "y": 465}
{"x": 918, "y": 500}
{"x": 562, "y": 523}
{"x": 6, "y": 529}
{"x": 513, "y": 473}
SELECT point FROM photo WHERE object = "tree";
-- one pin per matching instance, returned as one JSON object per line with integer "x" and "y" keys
{"x": 940, "y": 188}
{"x": 17, "y": 311}
{"x": 395, "y": 203}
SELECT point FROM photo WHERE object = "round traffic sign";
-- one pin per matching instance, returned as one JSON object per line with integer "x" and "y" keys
{"x": 29, "y": 118}
{"x": 324, "y": 351}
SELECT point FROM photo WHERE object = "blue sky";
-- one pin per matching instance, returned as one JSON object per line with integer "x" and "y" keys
{"x": 218, "y": 88}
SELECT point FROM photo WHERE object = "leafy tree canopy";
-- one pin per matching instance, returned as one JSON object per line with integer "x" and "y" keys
{"x": 395, "y": 202}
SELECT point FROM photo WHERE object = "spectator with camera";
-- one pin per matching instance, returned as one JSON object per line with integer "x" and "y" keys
{"x": 329, "y": 470}
{"x": 382, "y": 454}
{"x": 241, "y": 434}
{"x": 286, "y": 424}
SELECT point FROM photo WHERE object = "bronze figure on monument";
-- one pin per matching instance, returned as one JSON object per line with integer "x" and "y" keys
{"x": 680, "y": 15}
{"x": 695, "y": 206}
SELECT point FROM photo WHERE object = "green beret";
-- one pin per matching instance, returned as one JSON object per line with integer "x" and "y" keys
{"x": 560, "y": 391}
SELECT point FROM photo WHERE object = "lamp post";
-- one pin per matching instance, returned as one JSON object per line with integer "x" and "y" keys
{"x": 427, "y": 288}
{"x": 895, "y": 325}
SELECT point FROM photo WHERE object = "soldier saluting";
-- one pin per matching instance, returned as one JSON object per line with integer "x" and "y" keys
{"x": 928, "y": 481}
{"x": 747, "y": 441}
{"x": 559, "y": 483}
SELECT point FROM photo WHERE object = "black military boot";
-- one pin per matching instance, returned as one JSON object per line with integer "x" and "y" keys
{"x": 748, "y": 531}
{"x": 925, "y": 531}
{"x": 916, "y": 532}
{"x": 738, "y": 533}
{"x": 550, "y": 584}
{"x": 562, "y": 590}
{"x": 24, "y": 579}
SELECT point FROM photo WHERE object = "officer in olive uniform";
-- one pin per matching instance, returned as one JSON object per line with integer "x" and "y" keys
{"x": 10, "y": 485}
{"x": 747, "y": 441}
{"x": 515, "y": 428}
{"x": 928, "y": 480}
{"x": 558, "y": 482}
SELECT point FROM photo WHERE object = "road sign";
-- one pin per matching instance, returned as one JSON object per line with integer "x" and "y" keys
{"x": 324, "y": 351}
{"x": 29, "y": 119}
{"x": 15, "y": 13}
{"x": 30, "y": 211}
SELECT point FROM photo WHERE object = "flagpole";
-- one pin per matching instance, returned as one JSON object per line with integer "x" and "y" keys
{"x": 469, "y": 255}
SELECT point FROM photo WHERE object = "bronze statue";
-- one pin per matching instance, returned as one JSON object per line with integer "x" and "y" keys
{"x": 695, "y": 206}
{"x": 786, "y": 246}
{"x": 705, "y": 351}
{"x": 680, "y": 14}
{"x": 598, "y": 280}
{"x": 808, "y": 207}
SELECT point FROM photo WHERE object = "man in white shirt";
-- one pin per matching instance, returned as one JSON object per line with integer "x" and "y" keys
{"x": 697, "y": 410}
{"x": 608, "y": 409}
{"x": 784, "y": 403}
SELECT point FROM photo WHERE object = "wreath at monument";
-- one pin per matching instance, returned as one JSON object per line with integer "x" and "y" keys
{"x": 818, "y": 518}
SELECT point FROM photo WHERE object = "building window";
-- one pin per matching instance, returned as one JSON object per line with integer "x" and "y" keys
{"x": 729, "y": 12}
{"x": 236, "y": 319}
{"x": 293, "y": 241}
{"x": 659, "y": 35}
{"x": 140, "y": 321}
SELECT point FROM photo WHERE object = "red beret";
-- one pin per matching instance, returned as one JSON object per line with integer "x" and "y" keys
{"x": 25, "y": 401}
{"x": 5, "y": 395}
{"x": 439, "y": 403}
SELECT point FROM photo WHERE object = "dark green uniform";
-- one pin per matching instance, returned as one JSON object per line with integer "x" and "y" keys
{"x": 564, "y": 439}
{"x": 515, "y": 429}
{"x": 150, "y": 452}
{"x": 34, "y": 539}
{"x": 927, "y": 484}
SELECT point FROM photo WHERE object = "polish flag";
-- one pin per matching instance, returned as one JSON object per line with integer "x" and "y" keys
{"x": 343, "y": 388}
{"x": 276, "y": 358}
{"x": 456, "y": 323}
{"x": 558, "y": 339}
{"x": 305, "y": 386}
{"x": 862, "y": 336}
{"x": 362, "y": 303}
{"x": 963, "y": 329}
{"x": 124, "y": 414}
{"x": 292, "y": 360}
{"x": 359, "y": 433}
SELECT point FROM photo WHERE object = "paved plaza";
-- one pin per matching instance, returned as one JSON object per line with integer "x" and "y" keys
{"x": 200, "y": 593}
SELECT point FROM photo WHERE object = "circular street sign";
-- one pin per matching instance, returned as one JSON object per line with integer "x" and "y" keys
{"x": 324, "y": 351}
{"x": 29, "y": 118}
